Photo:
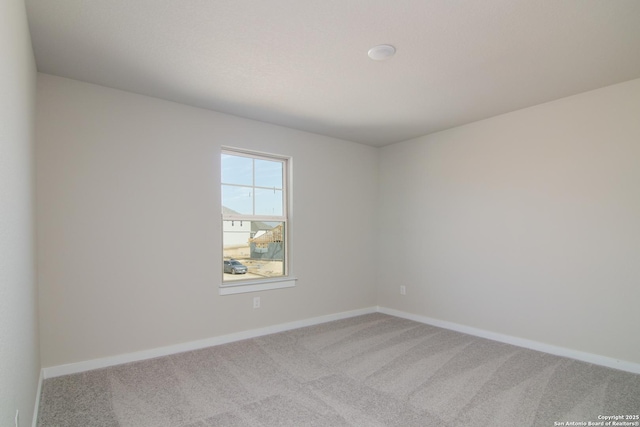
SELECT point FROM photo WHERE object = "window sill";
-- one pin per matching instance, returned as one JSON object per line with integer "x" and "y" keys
{"x": 241, "y": 287}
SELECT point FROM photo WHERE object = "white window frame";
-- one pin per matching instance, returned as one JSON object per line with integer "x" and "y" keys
{"x": 263, "y": 284}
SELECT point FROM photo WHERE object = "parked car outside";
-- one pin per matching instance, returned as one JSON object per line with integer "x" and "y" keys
{"x": 234, "y": 267}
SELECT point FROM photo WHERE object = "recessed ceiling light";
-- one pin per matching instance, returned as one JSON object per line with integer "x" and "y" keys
{"x": 381, "y": 52}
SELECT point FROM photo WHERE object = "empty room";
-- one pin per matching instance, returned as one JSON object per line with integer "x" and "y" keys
{"x": 336, "y": 213}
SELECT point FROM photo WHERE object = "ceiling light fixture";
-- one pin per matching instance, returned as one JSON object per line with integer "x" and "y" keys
{"x": 381, "y": 52}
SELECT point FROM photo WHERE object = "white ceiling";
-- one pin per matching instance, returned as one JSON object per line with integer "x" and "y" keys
{"x": 303, "y": 64}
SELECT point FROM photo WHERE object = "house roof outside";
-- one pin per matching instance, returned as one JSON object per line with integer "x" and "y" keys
{"x": 256, "y": 226}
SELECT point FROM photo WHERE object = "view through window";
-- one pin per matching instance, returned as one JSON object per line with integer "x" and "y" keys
{"x": 254, "y": 216}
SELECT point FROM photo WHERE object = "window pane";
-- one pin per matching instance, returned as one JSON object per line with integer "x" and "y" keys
{"x": 253, "y": 249}
{"x": 268, "y": 173}
{"x": 238, "y": 199}
{"x": 268, "y": 202}
{"x": 237, "y": 170}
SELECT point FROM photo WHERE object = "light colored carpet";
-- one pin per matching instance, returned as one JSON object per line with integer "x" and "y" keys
{"x": 371, "y": 370}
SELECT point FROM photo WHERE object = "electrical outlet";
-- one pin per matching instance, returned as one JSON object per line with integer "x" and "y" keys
{"x": 256, "y": 302}
{"x": 403, "y": 290}
{"x": 17, "y": 418}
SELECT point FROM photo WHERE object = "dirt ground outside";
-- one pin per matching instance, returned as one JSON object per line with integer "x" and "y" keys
{"x": 258, "y": 269}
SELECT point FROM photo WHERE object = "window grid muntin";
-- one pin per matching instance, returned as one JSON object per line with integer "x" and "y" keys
{"x": 253, "y": 156}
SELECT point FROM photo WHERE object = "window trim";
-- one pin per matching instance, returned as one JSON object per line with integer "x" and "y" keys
{"x": 257, "y": 285}
{"x": 287, "y": 280}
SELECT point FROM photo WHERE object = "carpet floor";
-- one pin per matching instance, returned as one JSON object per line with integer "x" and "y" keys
{"x": 371, "y": 370}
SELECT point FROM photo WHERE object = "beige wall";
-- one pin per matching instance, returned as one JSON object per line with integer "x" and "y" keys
{"x": 129, "y": 252}
{"x": 19, "y": 354}
{"x": 526, "y": 224}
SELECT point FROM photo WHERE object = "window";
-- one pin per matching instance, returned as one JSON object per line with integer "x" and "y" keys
{"x": 254, "y": 221}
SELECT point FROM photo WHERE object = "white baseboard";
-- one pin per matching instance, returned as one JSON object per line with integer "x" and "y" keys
{"x": 34, "y": 423}
{"x": 73, "y": 368}
{"x": 88, "y": 365}
{"x": 596, "y": 359}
